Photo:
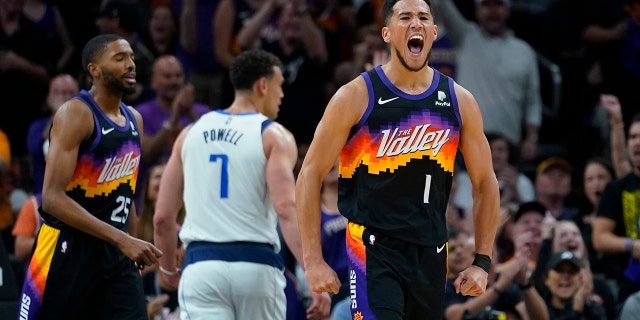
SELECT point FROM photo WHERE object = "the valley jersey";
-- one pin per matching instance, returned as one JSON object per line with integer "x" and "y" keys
{"x": 397, "y": 165}
{"x": 225, "y": 189}
{"x": 106, "y": 171}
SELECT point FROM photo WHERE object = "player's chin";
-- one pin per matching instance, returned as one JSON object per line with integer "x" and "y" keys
{"x": 129, "y": 89}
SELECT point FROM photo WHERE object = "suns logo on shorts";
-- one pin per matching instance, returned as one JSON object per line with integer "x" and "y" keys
{"x": 358, "y": 316}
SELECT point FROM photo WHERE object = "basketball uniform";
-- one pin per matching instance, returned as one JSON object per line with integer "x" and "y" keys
{"x": 232, "y": 269}
{"x": 395, "y": 176}
{"x": 73, "y": 275}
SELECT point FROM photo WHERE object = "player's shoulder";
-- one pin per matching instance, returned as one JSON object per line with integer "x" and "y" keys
{"x": 277, "y": 130}
{"x": 461, "y": 92}
{"x": 134, "y": 111}
{"x": 74, "y": 107}
{"x": 352, "y": 93}
{"x": 275, "y": 137}
{"x": 74, "y": 118}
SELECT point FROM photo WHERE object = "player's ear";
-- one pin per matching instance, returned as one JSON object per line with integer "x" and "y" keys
{"x": 93, "y": 69}
{"x": 261, "y": 86}
{"x": 386, "y": 34}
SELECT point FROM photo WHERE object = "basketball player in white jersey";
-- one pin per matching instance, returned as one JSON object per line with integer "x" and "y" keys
{"x": 233, "y": 171}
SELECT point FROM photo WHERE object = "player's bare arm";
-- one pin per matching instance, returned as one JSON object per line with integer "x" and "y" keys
{"x": 343, "y": 112}
{"x": 282, "y": 153}
{"x": 168, "y": 205}
{"x": 486, "y": 196}
{"x": 72, "y": 124}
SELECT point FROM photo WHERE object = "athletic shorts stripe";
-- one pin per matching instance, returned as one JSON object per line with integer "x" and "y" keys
{"x": 392, "y": 279}
{"x": 356, "y": 253}
{"x": 37, "y": 272}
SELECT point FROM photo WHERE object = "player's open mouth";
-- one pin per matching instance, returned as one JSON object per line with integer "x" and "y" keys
{"x": 416, "y": 43}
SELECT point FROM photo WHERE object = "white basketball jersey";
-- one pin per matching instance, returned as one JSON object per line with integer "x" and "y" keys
{"x": 225, "y": 192}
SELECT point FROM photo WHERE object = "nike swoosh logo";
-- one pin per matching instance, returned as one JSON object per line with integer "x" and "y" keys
{"x": 380, "y": 101}
{"x": 439, "y": 249}
{"x": 106, "y": 131}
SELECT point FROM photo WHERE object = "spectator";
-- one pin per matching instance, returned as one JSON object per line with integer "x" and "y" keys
{"x": 615, "y": 229}
{"x": 24, "y": 232}
{"x": 457, "y": 217}
{"x": 612, "y": 34}
{"x": 5, "y": 147}
{"x": 504, "y": 295}
{"x": 515, "y": 186}
{"x": 147, "y": 207}
{"x": 25, "y": 68}
{"x": 570, "y": 290}
{"x": 161, "y": 32}
{"x": 26, "y": 227}
{"x": 337, "y": 20}
{"x": 61, "y": 88}
{"x": 12, "y": 198}
{"x": 443, "y": 54}
{"x": 511, "y": 101}
{"x": 6, "y": 212}
{"x": 230, "y": 17}
{"x": 369, "y": 50}
{"x": 553, "y": 186}
{"x": 565, "y": 236}
{"x": 527, "y": 227}
{"x": 619, "y": 158}
{"x": 299, "y": 44}
{"x": 631, "y": 308}
{"x": 173, "y": 107}
{"x": 597, "y": 174}
{"x": 48, "y": 16}
{"x": 199, "y": 39}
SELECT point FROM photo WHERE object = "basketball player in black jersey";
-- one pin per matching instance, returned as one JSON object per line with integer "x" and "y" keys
{"x": 396, "y": 130}
{"x": 85, "y": 265}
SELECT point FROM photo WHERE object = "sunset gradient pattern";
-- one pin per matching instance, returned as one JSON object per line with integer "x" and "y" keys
{"x": 38, "y": 270}
{"x": 88, "y": 170}
{"x": 363, "y": 146}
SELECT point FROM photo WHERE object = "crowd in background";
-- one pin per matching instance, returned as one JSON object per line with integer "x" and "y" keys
{"x": 556, "y": 81}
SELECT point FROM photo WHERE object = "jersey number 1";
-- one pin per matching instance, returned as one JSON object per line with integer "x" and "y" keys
{"x": 427, "y": 188}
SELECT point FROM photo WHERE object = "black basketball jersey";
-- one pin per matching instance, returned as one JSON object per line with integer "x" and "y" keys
{"x": 396, "y": 167}
{"x": 106, "y": 171}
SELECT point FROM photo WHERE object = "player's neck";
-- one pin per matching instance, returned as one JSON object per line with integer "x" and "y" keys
{"x": 242, "y": 104}
{"x": 108, "y": 101}
{"x": 411, "y": 82}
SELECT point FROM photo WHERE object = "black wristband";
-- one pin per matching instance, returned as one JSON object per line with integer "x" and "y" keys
{"x": 483, "y": 261}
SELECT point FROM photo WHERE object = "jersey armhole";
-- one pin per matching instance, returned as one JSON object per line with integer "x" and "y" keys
{"x": 454, "y": 100}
